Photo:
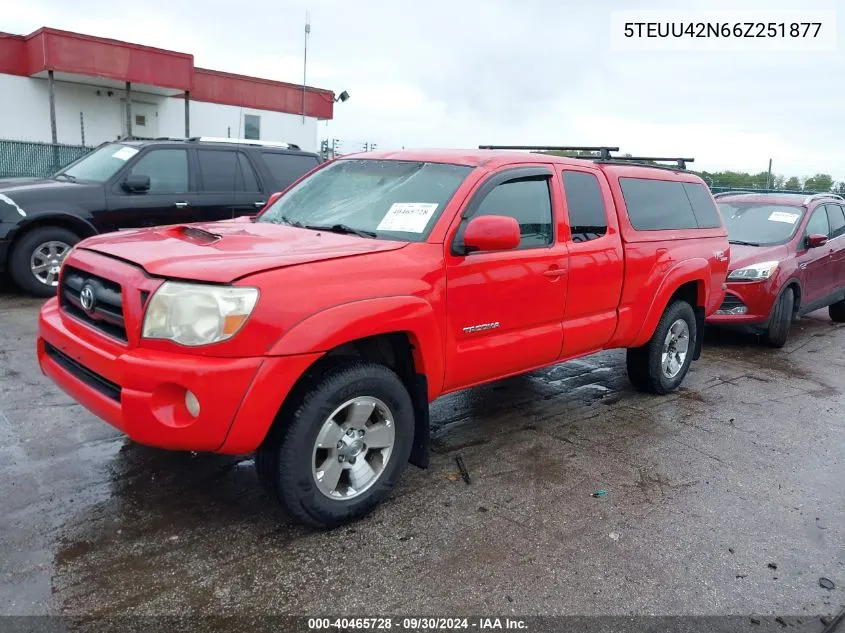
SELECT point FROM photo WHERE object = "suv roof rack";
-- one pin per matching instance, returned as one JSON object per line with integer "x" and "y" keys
{"x": 822, "y": 196}
{"x": 604, "y": 151}
{"x": 242, "y": 141}
{"x": 735, "y": 193}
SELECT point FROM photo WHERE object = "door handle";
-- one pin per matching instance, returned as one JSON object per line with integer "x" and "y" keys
{"x": 180, "y": 205}
{"x": 260, "y": 204}
{"x": 555, "y": 272}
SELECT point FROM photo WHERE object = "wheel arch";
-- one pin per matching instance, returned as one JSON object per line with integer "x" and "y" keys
{"x": 73, "y": 223}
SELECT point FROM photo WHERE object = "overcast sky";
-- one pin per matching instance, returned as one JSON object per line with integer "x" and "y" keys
{"x": 459, "y": 73}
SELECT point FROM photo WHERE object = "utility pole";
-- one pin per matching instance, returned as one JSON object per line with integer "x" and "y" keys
{"x": 305, "y": 61}
{"x": 769, "y": 176}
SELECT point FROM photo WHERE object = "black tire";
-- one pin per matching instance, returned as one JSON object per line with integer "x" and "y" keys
{"x": 837, "y": 311}
{"x": 781, "y": 320}
{"x": 644, "y": 363}
{"x": 284, "y": 460}
{"x": 19, "y": 260}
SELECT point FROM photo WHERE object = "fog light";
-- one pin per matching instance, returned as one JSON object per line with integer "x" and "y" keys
{"x": 192, "y": 404}
{"x": 736, "y": 310}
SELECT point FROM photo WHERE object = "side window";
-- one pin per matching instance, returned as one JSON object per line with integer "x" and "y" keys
{"x": 703, "y": 207}
{"x": 218, "y": 169}
{"x": 836, "y": 216}
{"x": 246, "y": 174}
{"x": 818, "y": 222}
{"x": 656, "y": 205}
{"x": 587, "y": 213}
{"x": 527, "y": 200}
{"x": 166, "y": 168}
{"x": 285, "y": 168}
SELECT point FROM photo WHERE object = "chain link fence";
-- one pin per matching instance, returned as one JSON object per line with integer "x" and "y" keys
{"x": 23, "y": 158}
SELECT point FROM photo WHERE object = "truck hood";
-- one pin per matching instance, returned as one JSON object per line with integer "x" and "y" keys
{"x": 221, "y": 252}
{"x": 742, "y": 256}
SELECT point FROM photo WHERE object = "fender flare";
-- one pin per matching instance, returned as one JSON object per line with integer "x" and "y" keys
{"x": 697, "y": 270}
{"x": 340, "y": 324}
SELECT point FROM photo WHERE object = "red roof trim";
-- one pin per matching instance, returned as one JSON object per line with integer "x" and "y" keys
{"x": 90, "y": 56}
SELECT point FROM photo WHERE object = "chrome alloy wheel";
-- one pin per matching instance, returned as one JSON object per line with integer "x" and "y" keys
{"x": 353, "y": 448}
{"x": 46, "y": 261}
{"x": 675, "y": 349}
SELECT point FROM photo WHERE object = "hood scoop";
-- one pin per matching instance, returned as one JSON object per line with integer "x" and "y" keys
{"x": 195, "y": 234}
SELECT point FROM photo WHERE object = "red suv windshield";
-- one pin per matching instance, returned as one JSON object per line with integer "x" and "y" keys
{"x": 760, "y": 224}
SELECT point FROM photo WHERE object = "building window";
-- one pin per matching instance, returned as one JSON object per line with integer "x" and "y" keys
{"x": 140, "y": 120}
{"x": 252, "y": 126}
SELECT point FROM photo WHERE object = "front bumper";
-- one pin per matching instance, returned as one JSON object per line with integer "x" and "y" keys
{"x": 142, "y": 391}
{"x": 758, "y": 298}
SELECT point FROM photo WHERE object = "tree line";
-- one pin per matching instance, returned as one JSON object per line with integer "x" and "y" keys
{"x": 744, "y": 180}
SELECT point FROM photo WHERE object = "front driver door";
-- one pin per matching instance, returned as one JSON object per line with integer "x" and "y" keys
{"x": 169, "y": 200}
{"x": 505, "y": 309}
{"x": 814, "y": 263}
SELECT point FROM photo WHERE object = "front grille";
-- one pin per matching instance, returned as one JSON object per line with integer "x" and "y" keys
{"x": 106, "y": 313}
{"x": 82, "y": 373}
{"x": 731, "y": 302}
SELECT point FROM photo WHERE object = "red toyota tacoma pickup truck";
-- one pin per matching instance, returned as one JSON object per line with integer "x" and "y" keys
{"x": 317, "y": 333}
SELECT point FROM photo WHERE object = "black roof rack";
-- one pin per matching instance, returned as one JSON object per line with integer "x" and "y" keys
{"x": 604, "y": 151}
{"x": 604, "y": 154}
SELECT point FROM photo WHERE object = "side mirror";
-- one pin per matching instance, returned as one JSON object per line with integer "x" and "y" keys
{"x": 136, "y": 183}
{"x": 491, "y": 233}
{"x": 814, "y": 240}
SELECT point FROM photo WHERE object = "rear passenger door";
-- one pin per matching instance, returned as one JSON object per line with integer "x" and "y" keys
{"x": 217, "y": 175}
{"x": 595, "y": 262}
{"x": 248, "y": 197}
{"x": 836, "y": 218}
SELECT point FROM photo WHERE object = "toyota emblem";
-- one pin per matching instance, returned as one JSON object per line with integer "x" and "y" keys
{"x": 86, "y": 298}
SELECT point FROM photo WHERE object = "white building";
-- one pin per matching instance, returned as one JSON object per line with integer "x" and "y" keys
{"x": 69, "y": 88}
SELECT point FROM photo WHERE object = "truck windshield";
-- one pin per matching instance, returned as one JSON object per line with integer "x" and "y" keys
{"x": 379, "y": 198}
{"x": 760, "y": 224}
{"x": 100, "y": 165}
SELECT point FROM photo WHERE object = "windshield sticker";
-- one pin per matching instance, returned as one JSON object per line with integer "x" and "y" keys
{"x": 783, "y": 216}
{"x": 407, "y": 217}
{"x": 125, "y": 153}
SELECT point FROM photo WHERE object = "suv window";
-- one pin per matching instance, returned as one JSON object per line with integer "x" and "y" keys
{"x": 818, "y": 222}
{"x": 587, "y": 214}
{"x": 285, "y": 168}
{"x": 655, "y": 205}
{"x": 223, "y": 170}
{"x": 528, "y": 201}
{"x": 166, "y": 168}
{"x": 836, "y": 217}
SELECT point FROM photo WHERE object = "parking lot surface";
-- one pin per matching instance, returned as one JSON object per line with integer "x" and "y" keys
{"x": 725, "y": 497}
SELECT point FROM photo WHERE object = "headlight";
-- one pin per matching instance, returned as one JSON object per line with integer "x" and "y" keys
{"x": 196, "y": 314}
{"x": 755, "y": 272}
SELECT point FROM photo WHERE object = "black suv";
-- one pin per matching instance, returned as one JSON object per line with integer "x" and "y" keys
{"x": 132, "y": 184}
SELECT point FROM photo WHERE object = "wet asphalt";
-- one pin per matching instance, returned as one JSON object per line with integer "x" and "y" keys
{"x": 725, "y": 497}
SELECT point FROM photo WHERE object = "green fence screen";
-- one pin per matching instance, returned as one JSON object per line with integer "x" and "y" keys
{"x": 22, "y": 158}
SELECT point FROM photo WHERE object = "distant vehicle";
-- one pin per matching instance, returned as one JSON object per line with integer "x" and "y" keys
{"x": 132, "y": 184}
{"x": 787, "y": 259}
{"x": 318, "y": 333}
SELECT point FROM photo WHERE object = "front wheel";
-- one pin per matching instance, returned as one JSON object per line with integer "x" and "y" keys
{"x": 37, "y": 257}
{"x": 344, "y": 448}
{"x": 837, "y": 311}
{"x": 660, "y": 365}
{"x": 781, "y": 321}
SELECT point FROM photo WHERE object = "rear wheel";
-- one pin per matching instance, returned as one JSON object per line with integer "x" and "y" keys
{"x": 660, "y": 365}
{"x": 781, "y": 321}
{"x": 37, "y": 258}
{"x": 345, "y": 447}
{"x": 837, "y": 311}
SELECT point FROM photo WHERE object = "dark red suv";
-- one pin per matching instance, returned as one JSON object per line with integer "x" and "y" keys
{"x": 787, "y": 259}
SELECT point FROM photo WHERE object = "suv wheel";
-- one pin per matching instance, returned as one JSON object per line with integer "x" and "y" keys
{"x": 345, "y": 447}
{"x": 837, "y": 311}
{"x": 660, "y": 365}
{"x": 37, "y": 257}
{"x": 781, "y": 321}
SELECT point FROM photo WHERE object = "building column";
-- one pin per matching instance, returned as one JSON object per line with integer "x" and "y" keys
{"x": 128, "y": 109}
{"x": 52, "y": 89}
{"x": 187, "y": 114}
